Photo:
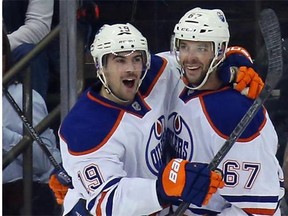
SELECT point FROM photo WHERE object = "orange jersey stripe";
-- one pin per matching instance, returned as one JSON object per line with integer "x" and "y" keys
{"x": 98, "y": 208}
{"x": 259, "y": 211}
{"x": 156, "y": 78}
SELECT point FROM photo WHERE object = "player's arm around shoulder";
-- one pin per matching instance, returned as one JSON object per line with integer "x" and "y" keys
{"x": 238, "y": 68}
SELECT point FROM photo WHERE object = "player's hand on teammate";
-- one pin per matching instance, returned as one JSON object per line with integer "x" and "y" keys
{"x": 59, "y": 183}
{"x": 181, "y": 180}
{"x": 246, "y": 76}
{"x": 238, "y": 68}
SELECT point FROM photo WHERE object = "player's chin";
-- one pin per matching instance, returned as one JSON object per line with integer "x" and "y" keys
{"x": 193, "y": 80}
{"x": 129, "y": 95}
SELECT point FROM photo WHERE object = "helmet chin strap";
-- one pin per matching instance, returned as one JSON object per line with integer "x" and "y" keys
{"x": 210, "y": 70}
{"x": 102, "y": 78}
{"x": 109, "y": 91}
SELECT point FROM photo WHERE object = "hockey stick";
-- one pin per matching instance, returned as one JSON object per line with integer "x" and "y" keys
{"x": 269, "y": 26}
{"x": 61, "y": 172}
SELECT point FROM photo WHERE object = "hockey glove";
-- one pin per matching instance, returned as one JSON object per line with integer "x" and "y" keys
{"x": 189, "y": 182}
{"x": 246, "y": 80}
{"x": 235, "y": 58}
{"x": 59, "y": 183}
{"x": 247, "y": 76}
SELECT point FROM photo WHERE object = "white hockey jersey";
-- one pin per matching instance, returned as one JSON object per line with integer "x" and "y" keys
{"x": 113, "y": 152}
{"x": 199, "y": 123}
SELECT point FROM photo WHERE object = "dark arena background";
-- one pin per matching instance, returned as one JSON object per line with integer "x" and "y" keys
{"x": 72, "y": 70}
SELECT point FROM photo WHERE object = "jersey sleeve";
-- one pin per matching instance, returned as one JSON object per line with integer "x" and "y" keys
{"x": 37, "y": 23}
{"x": 253, "y": 177}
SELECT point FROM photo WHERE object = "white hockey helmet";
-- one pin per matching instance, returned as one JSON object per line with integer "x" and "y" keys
{"x": 204, "y": 25}
{"x": 118, "y": 38}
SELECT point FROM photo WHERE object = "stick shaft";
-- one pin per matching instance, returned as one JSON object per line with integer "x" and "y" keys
{"x": 33, "y": 133}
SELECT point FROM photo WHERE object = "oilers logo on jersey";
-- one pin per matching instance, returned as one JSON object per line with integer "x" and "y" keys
{"x": 153, "y": 152}
{"x": 177, "y": 129}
